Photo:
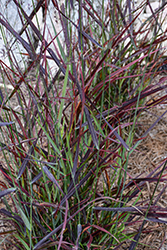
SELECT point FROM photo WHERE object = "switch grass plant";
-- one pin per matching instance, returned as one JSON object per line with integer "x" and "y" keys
{"x": 65, "y": 147}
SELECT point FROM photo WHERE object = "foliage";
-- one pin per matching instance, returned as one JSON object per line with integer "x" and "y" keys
{"x": 67, "y": 143}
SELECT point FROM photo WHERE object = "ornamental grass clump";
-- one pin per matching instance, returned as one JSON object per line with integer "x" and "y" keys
{"x": 68, "y": 127}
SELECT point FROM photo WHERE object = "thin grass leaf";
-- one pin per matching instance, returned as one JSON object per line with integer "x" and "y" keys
{"x": 23, "y": 42}
{"x": 160, "y": 194}
{"x": 5, "y": 123}
{"x": 7, "y": 191}
{"x": 79, "y": 232}
{"x": 23, "y": 217}
{"x": 26, "y": 160}
{"x": 103, "y": 230}
{"x": 90, "y": 242}
{"x": 23, "y": 242}
{"x": 135, "y": 240}
{"x": 63, "y": 95}
{"x": 51, "y": 177}
{"x": 33, "y": 13}
{"x": 91, "y": 128}
{"x": 55, "y": 58}
{"x": 7, "y": 232}
{"x": 75, "y": 162}
{"x": 99, "y": 22}
{"x": 157, "y": 220}
{"x": 78, "y": 28}
{"x": 36, "y": 178}
{"x": 71, "y": 2}
{"x": 64, "y": 225}
{"x": 8, "y": 214}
